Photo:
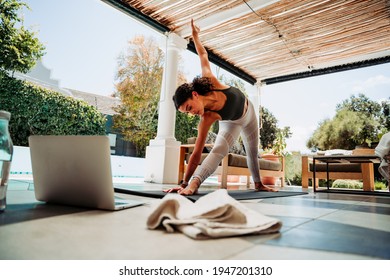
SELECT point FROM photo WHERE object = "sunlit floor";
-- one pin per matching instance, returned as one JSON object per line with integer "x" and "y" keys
{"x": 315, "y": 226}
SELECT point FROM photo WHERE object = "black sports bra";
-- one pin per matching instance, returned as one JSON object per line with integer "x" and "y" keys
{"x": 234, "y": 105}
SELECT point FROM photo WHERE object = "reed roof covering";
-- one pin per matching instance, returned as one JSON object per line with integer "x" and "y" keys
{"x": 269, "y": 40}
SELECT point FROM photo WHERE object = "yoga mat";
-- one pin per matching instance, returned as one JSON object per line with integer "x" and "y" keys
{"x": 236, "y": 194}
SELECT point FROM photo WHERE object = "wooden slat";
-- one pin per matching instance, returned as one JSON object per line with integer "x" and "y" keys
{"x": 286, "y": 37}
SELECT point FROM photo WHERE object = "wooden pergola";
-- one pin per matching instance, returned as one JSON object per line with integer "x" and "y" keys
{"x": 261, "y": 42}
{"x": 271, "y": 41}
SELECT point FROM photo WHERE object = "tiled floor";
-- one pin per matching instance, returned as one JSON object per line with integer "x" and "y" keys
{"x": 315, "y": 226}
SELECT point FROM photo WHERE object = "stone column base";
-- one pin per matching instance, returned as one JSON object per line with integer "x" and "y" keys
{"x": 162, "y": 161}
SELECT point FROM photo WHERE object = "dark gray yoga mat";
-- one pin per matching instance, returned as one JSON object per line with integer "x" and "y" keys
{"x": 236, "y": 194}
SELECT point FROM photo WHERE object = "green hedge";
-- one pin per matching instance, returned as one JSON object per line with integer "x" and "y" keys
{"x": 356, "y": 184}
{"x": 39, "y": 111}
{"x": 347, "y": 184}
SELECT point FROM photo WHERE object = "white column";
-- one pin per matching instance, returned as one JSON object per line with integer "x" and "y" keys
{"x": 162, "y": 154}
{"x": 254, "y": 96}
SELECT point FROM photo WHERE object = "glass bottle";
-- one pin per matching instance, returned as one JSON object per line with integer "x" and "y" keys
{"x": 6, "y": 151}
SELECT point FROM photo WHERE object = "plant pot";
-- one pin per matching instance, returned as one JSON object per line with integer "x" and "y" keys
{"x": 266, "y": 180}
{"x": 269, "y": 181}
{"x": 270, "y": 157}
{"x": 231, "y": 178}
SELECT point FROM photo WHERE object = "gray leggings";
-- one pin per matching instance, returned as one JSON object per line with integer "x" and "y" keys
{"x": 228, "y": 133}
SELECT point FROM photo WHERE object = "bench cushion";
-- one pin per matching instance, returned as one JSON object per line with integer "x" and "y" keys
{"x": 337, "y": 167}
{"x": 240, "y": 161}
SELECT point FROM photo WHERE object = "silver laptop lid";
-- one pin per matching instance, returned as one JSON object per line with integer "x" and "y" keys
{"x": 72, "y": 170}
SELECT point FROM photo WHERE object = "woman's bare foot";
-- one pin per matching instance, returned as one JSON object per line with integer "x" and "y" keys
{"x": 262, "y": 188}
{"x": 192, "y": 188}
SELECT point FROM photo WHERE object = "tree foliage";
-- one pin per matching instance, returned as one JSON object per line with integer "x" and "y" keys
{"x": 370, "y": 111}
{"x": 186, "y": 126}
{"x": 139, "y": 74}
{"x": 35, "y": 110}
{"x": 268, "y": 128}
{"x": 385, "y": 116}
{"x": 358, "y": 121}
{"x": 270, "y": 134}
{"x": 39, "y": 111}
{"x": 140, "y": 70}
{"x": 19, "y": 48}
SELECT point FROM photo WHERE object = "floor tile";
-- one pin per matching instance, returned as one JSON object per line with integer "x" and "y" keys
{"x": 289, "y": 211}
{"x": 269, "y": 252}
{"x": 369, "y": 209}
{"x": 292, "y": 221}
{"x": 360, "y": 219}
{"x": 315, "y": 226}
{"x": 331, "y": 236}
{"x": 307, "y": 203}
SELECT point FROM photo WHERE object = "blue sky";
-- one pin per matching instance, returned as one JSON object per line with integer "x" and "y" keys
{"x": 84, "y": 38}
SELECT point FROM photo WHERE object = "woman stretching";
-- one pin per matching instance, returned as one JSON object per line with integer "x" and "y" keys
{"x": 214, "y": 101}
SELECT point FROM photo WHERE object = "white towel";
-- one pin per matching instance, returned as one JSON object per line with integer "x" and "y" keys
{"x": 337, "y": 152}
{"x": 381, "y": 150}
{"x": 214, "y": 215}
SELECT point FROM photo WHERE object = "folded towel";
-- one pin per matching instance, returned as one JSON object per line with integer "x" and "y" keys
{"x": 381, "y": 150}
{"x": 214, "y": 215}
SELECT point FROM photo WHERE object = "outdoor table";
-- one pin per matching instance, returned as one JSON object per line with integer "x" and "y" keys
{"x": 344, "y": 159}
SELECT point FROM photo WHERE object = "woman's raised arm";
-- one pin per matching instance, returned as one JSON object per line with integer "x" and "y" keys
{"x": 202, "y": 53}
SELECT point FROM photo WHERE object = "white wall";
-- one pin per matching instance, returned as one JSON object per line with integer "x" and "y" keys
{"x": 121, "y": 166}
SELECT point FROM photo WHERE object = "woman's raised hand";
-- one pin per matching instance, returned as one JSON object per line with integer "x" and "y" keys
{"x": 195, "y": 29}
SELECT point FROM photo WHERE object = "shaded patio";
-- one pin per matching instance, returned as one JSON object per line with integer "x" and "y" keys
{"x": 316, "y": 226}
{"x": 260, "y": 41}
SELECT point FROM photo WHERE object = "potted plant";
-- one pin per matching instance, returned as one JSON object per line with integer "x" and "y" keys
{"x": 277, "y": 151}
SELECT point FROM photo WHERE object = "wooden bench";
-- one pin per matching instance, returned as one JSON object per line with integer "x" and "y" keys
{"x": 347, "y": 171}
{"x": 233, "y": 164}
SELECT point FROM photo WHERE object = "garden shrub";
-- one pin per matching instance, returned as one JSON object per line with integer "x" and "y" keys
{"x": 293, "y": 168}
{"x": 295, "y": 180}
{"x": 39, "y": 111}
{"x": 380, "y": 186}
{"x": 347, "y": 184}
{"x": 356, "y": 184}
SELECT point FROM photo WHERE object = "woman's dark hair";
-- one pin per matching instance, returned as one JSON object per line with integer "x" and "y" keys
{"x": 201, "y": 85}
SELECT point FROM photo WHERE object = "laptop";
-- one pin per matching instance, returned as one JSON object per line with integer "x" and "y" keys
{"x": 76, "y": 171}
